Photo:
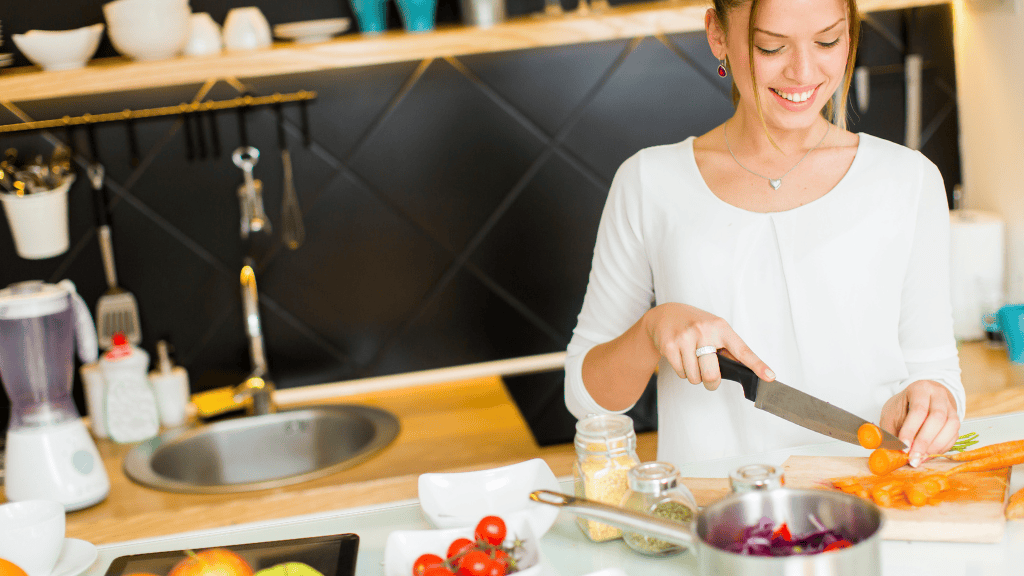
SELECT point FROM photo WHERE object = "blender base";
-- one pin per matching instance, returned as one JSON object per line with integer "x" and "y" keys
{"x": 55, "y": 462}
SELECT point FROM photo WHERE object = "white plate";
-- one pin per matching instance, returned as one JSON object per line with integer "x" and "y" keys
{"x": 312, "y": 30}
{"x": 6, "y": 59}
{"x": 75, "y": 557}
{"x": 403, "y": 547}
{"x": 463, "y": 498}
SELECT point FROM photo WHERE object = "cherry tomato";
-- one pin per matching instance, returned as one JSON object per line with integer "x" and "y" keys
{"x": 424, "y": 561}
{"x": 458, "y": 547}
{"x": 837, "y": 545}
{"x": 438, "y": 570}
{"x": 496, "y": 568}
{"x": 475, "y": 563}
{"x": 491, "y": 529}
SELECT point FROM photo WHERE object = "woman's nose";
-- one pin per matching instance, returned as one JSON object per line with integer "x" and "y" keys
{"x": 800, "y": 65}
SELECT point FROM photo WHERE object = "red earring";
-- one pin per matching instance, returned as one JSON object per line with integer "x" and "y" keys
{"x": 721, "y": 69}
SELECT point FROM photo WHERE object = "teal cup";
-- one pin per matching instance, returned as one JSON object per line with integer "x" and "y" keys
{"x": 1009, "y": 320}
{"x": 417, "y": 15}
{"x": 371, "y": 15}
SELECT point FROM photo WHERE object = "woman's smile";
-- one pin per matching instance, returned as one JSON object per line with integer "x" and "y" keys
{"x": 795, "y": 99}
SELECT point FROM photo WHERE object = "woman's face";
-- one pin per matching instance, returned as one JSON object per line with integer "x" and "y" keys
{"x": 800, "y": 53}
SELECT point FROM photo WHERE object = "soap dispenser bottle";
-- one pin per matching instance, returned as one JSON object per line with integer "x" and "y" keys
{"x": 170, "y": 384}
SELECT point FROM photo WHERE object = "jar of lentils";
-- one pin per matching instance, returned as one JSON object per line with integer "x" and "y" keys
{"x": 605, "y": 452}
{"x": 654, "y": 488}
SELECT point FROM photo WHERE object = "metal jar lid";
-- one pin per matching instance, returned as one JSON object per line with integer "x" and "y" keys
{"x": 755, "y": 477}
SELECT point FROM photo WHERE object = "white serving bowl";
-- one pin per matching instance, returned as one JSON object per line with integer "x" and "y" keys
{"x": 403, "y": 547}
{"x": 462, "y": 498}
{"x": 59, "y": 50}
{"x": 148, "y": 29}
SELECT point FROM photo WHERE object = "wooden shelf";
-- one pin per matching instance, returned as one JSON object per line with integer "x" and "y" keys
{"x": 629, "y": 21}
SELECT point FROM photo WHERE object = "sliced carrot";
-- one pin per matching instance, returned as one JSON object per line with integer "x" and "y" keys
{"x": 882, "y": 499}
{"x": 1015, "y": 508}
{"x": 1016, "y": 446}
{"x": 916, "y": 494}
{"x": 999, "y": 460}
{"x": 846, "y": 481}
{"x": 882, "y": 461}
{"x": 869, "y": 436}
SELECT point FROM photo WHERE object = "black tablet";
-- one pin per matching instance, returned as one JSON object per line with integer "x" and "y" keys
{"x": 330, "y": 555}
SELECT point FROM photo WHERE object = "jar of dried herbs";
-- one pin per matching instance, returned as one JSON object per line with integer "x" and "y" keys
{"x": 605, "y": 452}
{"x": 654, "y": 488}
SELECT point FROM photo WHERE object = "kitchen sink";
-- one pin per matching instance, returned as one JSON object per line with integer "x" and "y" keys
{"x": 260, "y": 452}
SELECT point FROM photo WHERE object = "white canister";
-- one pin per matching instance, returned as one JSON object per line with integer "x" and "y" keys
{"x": 129, "y": 403}
{"x": 977, "y": 249}
{"x": 95, "y": 397}
{"x": 170, "y": 386}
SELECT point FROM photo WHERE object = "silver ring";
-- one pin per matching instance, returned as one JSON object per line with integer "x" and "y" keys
{"x": 705, "y": 350}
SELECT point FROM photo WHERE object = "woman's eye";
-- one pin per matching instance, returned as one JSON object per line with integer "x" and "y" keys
{"x": 830, "y": 44}
{"x": 769, "y": 52}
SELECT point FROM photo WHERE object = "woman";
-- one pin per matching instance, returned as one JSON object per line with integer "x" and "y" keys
{"x": 782, "y": 240}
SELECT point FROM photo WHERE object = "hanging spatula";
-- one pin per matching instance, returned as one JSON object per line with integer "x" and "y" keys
{"x": 116, "y": 310}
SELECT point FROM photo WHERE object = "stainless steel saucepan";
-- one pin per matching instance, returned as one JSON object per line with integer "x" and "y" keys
{"x": 720, "y": 524}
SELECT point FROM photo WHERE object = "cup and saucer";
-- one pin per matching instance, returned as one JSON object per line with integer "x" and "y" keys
{"x": 32, "y": 537}
{"x": 75, "y": 557}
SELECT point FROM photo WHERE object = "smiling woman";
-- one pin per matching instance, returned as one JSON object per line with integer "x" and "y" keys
{"x": 781, "y": 239}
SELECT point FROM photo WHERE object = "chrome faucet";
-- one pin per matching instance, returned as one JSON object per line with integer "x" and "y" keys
{"x": 257, "y": 386}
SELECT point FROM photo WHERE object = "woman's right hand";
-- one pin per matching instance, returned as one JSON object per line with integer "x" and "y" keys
{"x": 678, "y": 330}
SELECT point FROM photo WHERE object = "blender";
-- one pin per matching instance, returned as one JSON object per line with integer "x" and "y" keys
{"x": 50, "y": 454}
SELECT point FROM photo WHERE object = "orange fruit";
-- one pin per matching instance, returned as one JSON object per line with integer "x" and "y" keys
{"x": 212, "y": 562}
{"x": 8, "y": 568}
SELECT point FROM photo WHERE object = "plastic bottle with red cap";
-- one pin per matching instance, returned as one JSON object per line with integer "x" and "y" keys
{"x": 130, "y": 408}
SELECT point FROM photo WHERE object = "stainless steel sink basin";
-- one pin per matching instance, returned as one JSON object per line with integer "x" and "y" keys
{"x": 259, "y": 452}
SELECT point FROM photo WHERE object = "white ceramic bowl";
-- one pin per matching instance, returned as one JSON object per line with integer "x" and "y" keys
{"x": 148, "y": 29}
{"x": 312, "y": 31}
{"x": 403, "y": 547}
{"x": 60, "y": 50}
{"x": 463, "y": 498}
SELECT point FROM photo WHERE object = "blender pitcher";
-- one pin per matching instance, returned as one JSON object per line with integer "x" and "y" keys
{"x": 50, "y": 454}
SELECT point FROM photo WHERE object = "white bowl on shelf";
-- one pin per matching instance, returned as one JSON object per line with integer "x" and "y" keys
{"x": 403, "y": 547}
{"x": 59, "y": 50}
{"x": 461, "y": 499}
{"x": 148, "y": 29}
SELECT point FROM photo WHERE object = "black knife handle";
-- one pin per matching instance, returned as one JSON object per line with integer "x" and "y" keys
{"x": 733, "y": 370}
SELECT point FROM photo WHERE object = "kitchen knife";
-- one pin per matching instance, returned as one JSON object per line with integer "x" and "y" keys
{"x": 799, "y": 407}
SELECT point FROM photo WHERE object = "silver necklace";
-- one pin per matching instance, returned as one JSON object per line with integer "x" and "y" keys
{"x": 775, "y": 183}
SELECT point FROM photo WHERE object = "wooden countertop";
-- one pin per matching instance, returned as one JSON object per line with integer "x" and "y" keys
{"x": 464, "y": 425}
{"x": 627, "y": 21}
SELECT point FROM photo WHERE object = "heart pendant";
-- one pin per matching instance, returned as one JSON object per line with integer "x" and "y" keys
{"x": 775, "y": 183}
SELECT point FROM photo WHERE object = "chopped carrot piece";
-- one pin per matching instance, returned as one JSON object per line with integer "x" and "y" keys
{"x": 1015, "y": 508}
{"x": 882, "y": 461}
{"x": 869, "y": 436}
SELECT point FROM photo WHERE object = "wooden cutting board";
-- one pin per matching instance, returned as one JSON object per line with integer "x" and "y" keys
{"x": 972, "y": 512}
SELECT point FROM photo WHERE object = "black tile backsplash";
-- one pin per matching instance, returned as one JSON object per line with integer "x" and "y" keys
{"x": 450, "y": 206}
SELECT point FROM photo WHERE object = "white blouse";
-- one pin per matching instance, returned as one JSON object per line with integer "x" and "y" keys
{"x": 846, "y": 297}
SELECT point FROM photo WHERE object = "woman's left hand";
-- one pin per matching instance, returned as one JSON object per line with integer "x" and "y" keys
{"x": 924, "y": 417}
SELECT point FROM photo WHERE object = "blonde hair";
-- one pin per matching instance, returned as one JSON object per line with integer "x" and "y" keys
{"x": 838, "y": 117}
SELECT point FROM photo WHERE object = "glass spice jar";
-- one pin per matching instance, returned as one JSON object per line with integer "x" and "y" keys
{"x": 605, "y": 452}
{"x": 654, "y": 488}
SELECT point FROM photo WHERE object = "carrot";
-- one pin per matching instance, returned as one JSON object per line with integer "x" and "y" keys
{"x": 999, "y": 460}
{"x": 869, "y": 436}
{"x": 882, "y": 461}
{"x": 1015, "y": 509}
{"x": 986, "y": 451}
{"x": 916, "y": 494}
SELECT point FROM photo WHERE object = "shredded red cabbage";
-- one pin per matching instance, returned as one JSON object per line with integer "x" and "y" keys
{"x": 761, "y": 540}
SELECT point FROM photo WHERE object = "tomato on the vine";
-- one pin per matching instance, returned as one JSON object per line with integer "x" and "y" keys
{"x": 475, "y": 563}
{"x": 459, "y": 546}
{"x": 491, "y": 529}
{"x": 421, "y": 564}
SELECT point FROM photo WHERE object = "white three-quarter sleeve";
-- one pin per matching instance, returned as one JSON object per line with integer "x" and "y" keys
{"x": 926, "y": 315}
{"x": 620, "y": 289}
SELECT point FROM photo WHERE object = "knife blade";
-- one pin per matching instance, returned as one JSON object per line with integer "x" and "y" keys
{"x": 799, "y": 407}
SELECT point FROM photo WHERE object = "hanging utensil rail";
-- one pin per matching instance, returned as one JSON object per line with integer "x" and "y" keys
{"x": 183, "y": 108}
